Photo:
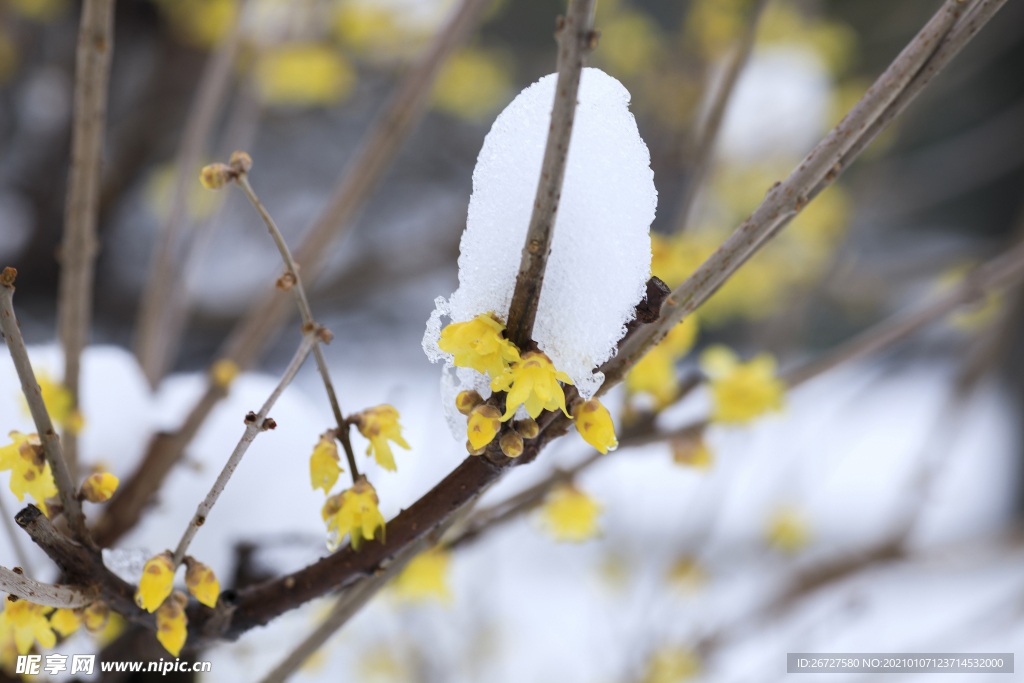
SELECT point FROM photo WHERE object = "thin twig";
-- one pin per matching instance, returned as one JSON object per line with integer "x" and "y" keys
{"x": 34, "y": 397}
{"x": 153, "y": 346}
{"x": 307, "y": 317}
{"x": 942, "y": 37}
{"x": 576, "y": 38}
{"x": 707, "y": 134}
{"x": 254, "y": 424}
{"x": 12, "y": 533}
{"x": 48, "y": 594}
{"x": 79, "y": 246}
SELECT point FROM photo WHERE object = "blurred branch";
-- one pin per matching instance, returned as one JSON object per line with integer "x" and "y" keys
{"x": 254, "y": 424}
{"x": 79, "y": 246}
{"x": 12, "y": 533}
{"x": 254, "y": 333}
{"x": 34, "y": 397}
{"x": 51, "y": 595}
{"x": 942, "y": 37}
{"x": 307, "y": 317}
{"x": 153, "y": 346}
{"x": 707, "y": 134}
{"x": 576, "y": 38}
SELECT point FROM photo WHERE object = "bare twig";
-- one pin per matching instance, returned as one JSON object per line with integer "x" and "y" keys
{"x": 707, "y": 134}
{"x": 943, "y": 36}
{"x": 254, "y": 424}
{"x": 79, "y": 246}
{"x": 576, "y": 38}
{"x": 307, "y": 317}
{"x": 34, "y": 398}
{"x": 153, "y": 346}
{"x": 51, "y": 595}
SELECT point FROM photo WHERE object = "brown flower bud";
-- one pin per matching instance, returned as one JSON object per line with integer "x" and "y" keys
{"x": 529, "y": 429}
{"x": 511, "y": 444}
{"x": 475, "y": 451}
{"x": 286, "y": 281}
{"x": 467, "y": 400}
{"x": 240, "y": 162}
{"x": 215, "y": 176}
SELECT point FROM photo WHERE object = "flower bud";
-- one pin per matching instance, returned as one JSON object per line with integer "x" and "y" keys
{"x": 201, "y": 582}
{"x": 215, "y": 176}
{"x": 96, "y": 616}
{"x": 98, "y": 488}
{"x": 528, "y": 429}
{"x": 474, "y": 451}
{"x": 223, "y": 372}
{"x": 511, "y": 444}
{"x": 467, "y": 400}
{"x": 484, "y": 423}
{"x": 240, "y": 162}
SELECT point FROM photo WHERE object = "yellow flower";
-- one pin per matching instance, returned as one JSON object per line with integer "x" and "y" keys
{"x": 66, "y": 621}
{"x": 483, "y": 423}
{"x": 741, "y": 391}
{"x": 380, "y": 425}
{"x": 156, "y": 582}
{"x": 594, "y": 423}
{"x": 171, "y": 623}
{"x": 353, "y": 512}
{"x": 687, "y": 575}
{"x": 30, "y": 473}
{"x": 60, "y": 404}
{"x": 99, "y": 487}
{"x": 28, "y": 623}
{"x": 788, "y": 529}
{"x": 224, "y": 371}
{"x": 692, "y": 452}
{"x": 630, "y": 43}
{"x": 369, "y": 29}
{"x": 669, "y": 665}
{"x": 96, "y": 616}
{"x": 570, "y": 515}
{"x": 472, "y": 84}
{"x": 533, "y": 382}
{"x": 655, "y": 374}
{"x": 478, "y": 344}
{"x": 201, "y": 23}
{"x": 323, "y": 464}
{"x": 201, "y": 582}
{"x": 304, "y": 75}
{"x": 975, "y": 316}
{"x": 425, "y": 577}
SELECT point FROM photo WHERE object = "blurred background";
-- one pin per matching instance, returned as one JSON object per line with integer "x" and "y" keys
{"x": 712, "y": 569}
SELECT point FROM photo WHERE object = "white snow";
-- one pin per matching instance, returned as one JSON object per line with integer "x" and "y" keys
{"x": 600, "y": 254}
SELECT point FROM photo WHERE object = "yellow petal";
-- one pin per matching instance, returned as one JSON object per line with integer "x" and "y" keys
{"x": 171, "y": 623}
{"x": 202, "y": 582}
{"x": 156, "y": 582}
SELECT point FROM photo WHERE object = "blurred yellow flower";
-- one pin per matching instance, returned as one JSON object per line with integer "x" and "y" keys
{"x": 112, "y": 630}
{"x": 834, "y": 42}
{"x": 159, "y": 195}
{"x": 223, "y": 372}
{"x": 304, "y": 74}
{"x": 323, "y": 464}
{"x": 200, "y": 23}
{"x": 353, "y": 512}
{"x": 975, "y": 316}
{"x": 375, "y": 31}
{"x": 570, "y": 515}
{"x": 479, "y": 344}
{"x": 380, "y": 664}
{"x": 672, "y": 665}
{"x": 28, "y": 623}
{"x": 714, "y": 25}
{"x": 66, "y": 621}
{"x": 655, "y": 374}
{"x": 171, "y": 623}
{"x": 741, "y": 391}
{"x": 30, "y": 473}
{"x": 472, "y": 84}
{"x": 425, "y": 577}
{"x": 156, "y": 582}
{"x": 692, "y": 452}
{"x": 96, "y": 616}
{"x": 533, "y": 382}
{"x": 687, "y": 575}
{"x": 594, "y": 423}
{"x": 201, "y": 582}
{"x": 380, "y": 425}
{"x": 787, "y": 529}
{"x": 99, "y": 487}
{"x": 630, "y": 43}
{"x": 39, "y": 10}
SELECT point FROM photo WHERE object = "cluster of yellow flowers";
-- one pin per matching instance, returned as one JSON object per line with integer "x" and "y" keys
{"x": 353, "y": 512}
{"x": 425, "y": 577}
{"x": 530, "y": 379}
{"x": 30, "y": 473}
{"x": 24, "y": 623}
{"x": 156, "y": 594}
{"x": 741, "y": 391}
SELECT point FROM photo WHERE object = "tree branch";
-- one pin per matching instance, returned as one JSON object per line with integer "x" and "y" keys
{"x": 576, "y": 38}
{"x": 79, "y": 246}
{"x": 34, "y": 398}
{"x": 50, "y": 595}
{"x": 254, "y": 424}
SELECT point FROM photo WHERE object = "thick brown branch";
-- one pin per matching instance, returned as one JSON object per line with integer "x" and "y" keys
{"x": 576, "y": 38}
{"x": 34, "y": 397}
{"x": 79, "y": 246}
{"x": 52, "y": 595}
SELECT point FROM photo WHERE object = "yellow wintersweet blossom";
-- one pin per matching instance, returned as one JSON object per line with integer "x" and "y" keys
{"x": 371, "y": 29}
{"x": 483, "y": 423}
{"x": 156, "y": 582}
{"x": 380, "y": 425}
{"x": 594, "y": 423}
{"x": 159, "y": 194}
{"x": 714, "y": 25}
{"x": 425, "y": 577}
{"x": 96, "y": 616}
{"x": 478, "y": 344}
{"x": 787, "y": 529}
{"x": 532, "y": 381}
{"x": 99, "y": 487}
{"x": 672, "y": 665}
{"x": 834, "y": 42}
{"x": 30, "y": 473}
{"x": 66, "y": 621}
{"x": 201, "y": 582}
{"x": 111, "y": 631}
{"x": 692, "y": 452}
{"x": 353, "y": 512}
{"x": 304, "y": 74}
{"x": 630, "y": 43}
{"x": 28, "y": 623}
{"x": 39, "y": 10}
{"x": 200, "y": 23}
{"x": 171, "y": 622}
{"x": 741, "y": 391}
{"x": 655, "y": 374}
{"x": 223, "y": 372}
{"x": 570, "y": 515}
{"x": 472, "y": 84}
{"x": 59, "y": 404}
{"x": 323, "y": 464}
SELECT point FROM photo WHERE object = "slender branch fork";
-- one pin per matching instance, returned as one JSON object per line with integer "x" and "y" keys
{"x": 34, "y": 397}
{"x": 307, "y": 316}
{"x": 79, "y": 246}
{"x": 254, "y": 424}
{"x": 576, "y": 39}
